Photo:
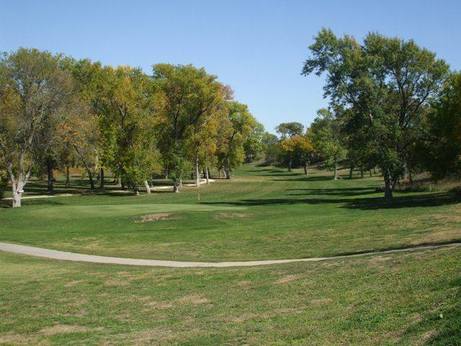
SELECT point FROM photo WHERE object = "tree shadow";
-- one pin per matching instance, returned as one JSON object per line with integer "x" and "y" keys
{"x": 448, "y": 321}
{"x": 346, "y": 192}
{"x": 303, "y": 177}
{"x": 369, "y": 203}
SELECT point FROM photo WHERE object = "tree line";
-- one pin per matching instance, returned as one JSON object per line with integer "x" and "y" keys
{"x": 392, "y": 105}
{"x": 57, "y": 112}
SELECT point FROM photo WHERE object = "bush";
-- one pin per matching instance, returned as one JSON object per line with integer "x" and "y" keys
{"x": 3, "y": 182}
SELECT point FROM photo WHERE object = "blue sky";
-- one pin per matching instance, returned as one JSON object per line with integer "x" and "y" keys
{"x": 257, "y": 47}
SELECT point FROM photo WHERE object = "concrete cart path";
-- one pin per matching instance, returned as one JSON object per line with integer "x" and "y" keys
{"x": 76, "y": 257}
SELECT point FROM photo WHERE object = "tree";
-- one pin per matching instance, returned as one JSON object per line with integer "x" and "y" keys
{"x": 440, "y": 148}
{"x": 289, "y": 129}
{"x": 325, "y": 134}
{"x": 234, "y": 128}
{"x": 127, "y": 119}
{"x": 253, "y": 145}
{"x": 188, "y": 100}
{"x": 270, "y": 148}
{"x": 34, "y": 92}
{"x": 300, "y": 146}
{"x": 383, "y": 83}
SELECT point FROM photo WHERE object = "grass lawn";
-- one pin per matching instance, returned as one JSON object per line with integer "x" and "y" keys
{"x": 405, "y": 298}
{"x": 263, "y": 213}
{"x": 402, "y": 298}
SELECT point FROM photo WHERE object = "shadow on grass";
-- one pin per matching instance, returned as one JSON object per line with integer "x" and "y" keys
{"x": 371, "y": 203}
{"x": 446, "y": 320}
{"x": 302, "y": 177}
{"x": 346, "y": 192}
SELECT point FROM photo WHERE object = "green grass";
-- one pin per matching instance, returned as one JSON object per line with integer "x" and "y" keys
{"x": 405, "y": 298}
{"x": 402, "y": 298}
{"x": 264, "y": 213}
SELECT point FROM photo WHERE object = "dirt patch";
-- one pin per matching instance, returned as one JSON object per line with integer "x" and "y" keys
{"x": 73, "y": 283}
{"x": 231, "y": 216}
{"x": 321, "y": 301}
{"x": 160, "y": 305}
{"x": 287, "y": 279}
{"x": 16, "y": 339}
{"x": 437, "y": 235}
{"x": 63, "y": 329}
{"x": 193, "y": 299}
{"x": 427, "y": 336}
{"x": 244, "y": 284}
{"x": 154, "y": 217}
{"x": 116, "y": 283}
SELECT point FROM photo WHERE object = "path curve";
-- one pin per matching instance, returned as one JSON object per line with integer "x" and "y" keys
{"x": 76, "y": 257}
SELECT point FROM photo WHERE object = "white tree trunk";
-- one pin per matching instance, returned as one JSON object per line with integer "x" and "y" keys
{"x": 146, "y": 184}
{"x": 197, "y": 172}
{"x": 207, "y": 175}
{"x": 17, "y": 187}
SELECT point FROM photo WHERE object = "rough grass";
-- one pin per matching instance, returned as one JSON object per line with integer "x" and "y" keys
{"x": 264, "y": 213}
{"x": 401, "y": 298}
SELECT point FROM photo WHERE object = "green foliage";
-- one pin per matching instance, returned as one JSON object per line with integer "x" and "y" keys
{"x": 235, "y": 127}
{"x": 289, "y": 129}
{"x": 441, "y": 146}
{"x": 253, "y": 145}
{"x": 270, "y": 147}
{"x": 326, "y": 137}
{"x": 3, "y": 181}
{"x": 382, "y": 86}
{"x": 189, "y": 103}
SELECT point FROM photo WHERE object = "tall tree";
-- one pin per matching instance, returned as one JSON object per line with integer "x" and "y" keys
{"x": 189, "y": 100}
{"x": 383, "y": 83}
{"x": 290, "y": 129}
{"x": 253, "y": 145}
{"x": 234, "y": 129}
{"x": 440, "y": 148}
{"x": 325, "y": 134}
{"x": 34, "y": 92}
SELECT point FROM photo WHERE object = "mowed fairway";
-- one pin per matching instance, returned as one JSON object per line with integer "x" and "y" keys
{"x": 263, "y": 213}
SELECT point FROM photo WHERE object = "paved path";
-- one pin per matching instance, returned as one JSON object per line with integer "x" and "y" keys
{"x": 76, "y": 257}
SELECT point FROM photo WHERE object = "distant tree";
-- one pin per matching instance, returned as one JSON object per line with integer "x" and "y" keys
{"x": 325, "y": 134}
{"x": 34, "y": 93}
{"x": 289, "y": 129}
{"x": 384, "y": 84}
{"x": 253, "y": 145}
{"x": 440, "y": 149}
{"x": 300, "y": 146}
{"x": 270, "y": 148}
{"x": 235, "y": 127}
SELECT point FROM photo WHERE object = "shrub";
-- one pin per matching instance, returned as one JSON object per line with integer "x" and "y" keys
{"x": 3, "y": 182}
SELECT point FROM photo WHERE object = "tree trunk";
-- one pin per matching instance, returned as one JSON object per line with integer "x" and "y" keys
{"x": 361, "y": 172}
{"x": 289, "y": 163}
{"x": 90, "y": 177}
{"x": 67, "y": 177}
{"x": 388, "y": 190}
{"x": 305, "y": 168}
{"x": 197, "y": 172}
{"x": 336, "y": 170}
{"x": 146, "y": 184}
{"x": 207, "y": 175}
{"x": 371, "y": 173}
{"x": 49, "y": 171}
{"x": 17, "y": 199}
{"x": 176, "y": 186}
{"x": 351, "y": 171}
{"x": 101, "y": 176}
{"x": 227, "y": 170}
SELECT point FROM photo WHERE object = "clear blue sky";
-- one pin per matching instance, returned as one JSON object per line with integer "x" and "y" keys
{"x": 257, "y": 47}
